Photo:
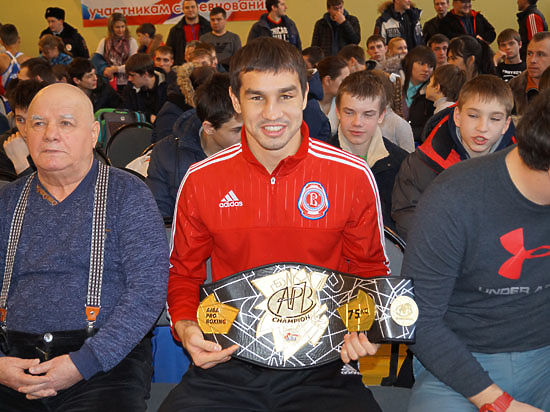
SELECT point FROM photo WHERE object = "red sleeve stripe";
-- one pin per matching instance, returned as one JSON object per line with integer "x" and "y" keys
{"x": 334, "y": 154}
{"x": 534, "y": 25}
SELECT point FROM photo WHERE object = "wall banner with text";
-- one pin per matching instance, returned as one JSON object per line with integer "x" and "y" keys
{"x": 96, "y": 12}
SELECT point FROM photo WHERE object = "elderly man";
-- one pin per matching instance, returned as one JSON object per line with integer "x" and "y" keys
{"x": 85, "y": 250}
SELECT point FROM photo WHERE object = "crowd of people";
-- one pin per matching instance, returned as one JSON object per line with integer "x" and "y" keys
{"x": 423, "y": 131}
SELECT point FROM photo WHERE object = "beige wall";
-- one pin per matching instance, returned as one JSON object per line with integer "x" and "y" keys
{"x": 28, "y": 16}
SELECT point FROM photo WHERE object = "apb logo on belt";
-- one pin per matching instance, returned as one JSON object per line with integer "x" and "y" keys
{"x": 313, "y": 201}
{"x": 293, "y": 313}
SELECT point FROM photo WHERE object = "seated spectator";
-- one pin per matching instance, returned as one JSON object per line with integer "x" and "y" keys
{"x": 148, "y": 39}
{"x": 439, "y": 44}
{"x": 202, "y": 57}
{"x": 418, "y": 66}
{"x": 312, "y": 55}
{"x": 189, "y": 48}
{"x": 474, "y": 56}
{"x": 114, "y": 50}
{"x": 463, "y": 20}
{"x": 146, "y": 88}
{"x": 82, "y": 74}
{"x": 197, "y": 134}
{"x": 189, "y": 78}
{"x": 317, "y": 121}
{"x": 14, "y": 153}
{"x": 164, "y": 58}
{"x": 507, "y": 60}
{"x": 478, "y": 256}
{"x": 394, "y": 128}
{"x": 61, "y": 73}
{"x": 361, "y": 104}
{"x": 225, "y": 42}
{"x": 332, "y": 70}
{"x": 480, "y": 124}
{"x": 88, "y": 268}
{"x": 38, "y": 69}
{"x": 336, "y": 29}
{"x": 73, "y": 41}
{"x": 53, "y": 50}
{"x": 444, "y": 86}
{"x": 213, "y": 55}
{"x": 433, "y": 26}
{"x": 399, "y": 18}
{"x": 376, "y": 48}
{"x": 397, "y": 46}
{"x": 526, "y": 85}
{"x": 354, "y": 56}
{"x": 11, "y": 58}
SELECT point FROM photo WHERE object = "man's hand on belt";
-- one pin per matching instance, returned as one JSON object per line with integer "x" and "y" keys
{"x": 356, "y": 345}
{"x": 61, "y": 374}
{"x": 205, "y": 354}
{"x": 12, "y": 372}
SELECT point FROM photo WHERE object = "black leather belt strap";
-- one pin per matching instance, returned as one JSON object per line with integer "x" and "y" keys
{"x": 292, "y": 315}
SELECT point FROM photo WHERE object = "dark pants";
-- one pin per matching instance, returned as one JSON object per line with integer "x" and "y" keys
{"x": 123, "y": 388}
{"x": 241, "y": 386}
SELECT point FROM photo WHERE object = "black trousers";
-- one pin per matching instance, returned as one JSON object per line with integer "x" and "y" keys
{"x": 241, "y": 386}
{"x": 124, "y": 388}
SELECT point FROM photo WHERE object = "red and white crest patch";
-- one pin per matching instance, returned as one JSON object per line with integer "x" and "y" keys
{"x": 313, "y": 202}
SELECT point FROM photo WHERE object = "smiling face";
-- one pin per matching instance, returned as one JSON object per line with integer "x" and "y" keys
{"x": 398, "y": 48}
{"x": 61, "y": 131}
{"x": 481, "y": 124}
{"x": 359, "y": 119}
{"x": 271, "y": 105}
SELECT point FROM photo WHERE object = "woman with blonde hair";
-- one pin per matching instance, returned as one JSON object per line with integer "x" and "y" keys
{"x": 113, "y": 51}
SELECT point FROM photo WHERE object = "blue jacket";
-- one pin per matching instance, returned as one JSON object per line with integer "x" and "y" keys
{"x": 261, "y": 29}
{"x": 317, "y": 122}
{"x": 168, "y": 116}
{"x": 170, "y": 159}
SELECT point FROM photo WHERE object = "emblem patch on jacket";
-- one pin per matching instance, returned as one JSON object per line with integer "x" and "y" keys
{"x": 313, "y": 202}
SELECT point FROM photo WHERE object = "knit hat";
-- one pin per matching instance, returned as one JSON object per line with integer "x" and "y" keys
{"x": 55, "y": 12}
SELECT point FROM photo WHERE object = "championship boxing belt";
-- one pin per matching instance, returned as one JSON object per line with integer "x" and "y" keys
{"x": 295, "y": 316}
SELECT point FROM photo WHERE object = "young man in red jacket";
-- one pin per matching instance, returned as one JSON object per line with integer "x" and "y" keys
{"x": 244, "y": 207}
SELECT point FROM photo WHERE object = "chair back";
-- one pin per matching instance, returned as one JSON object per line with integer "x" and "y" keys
{"x": 128, "y": 143}
{"x": 395, "y": 248}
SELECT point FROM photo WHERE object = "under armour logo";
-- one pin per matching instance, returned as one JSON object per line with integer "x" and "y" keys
{"x": 514, "y": 244}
